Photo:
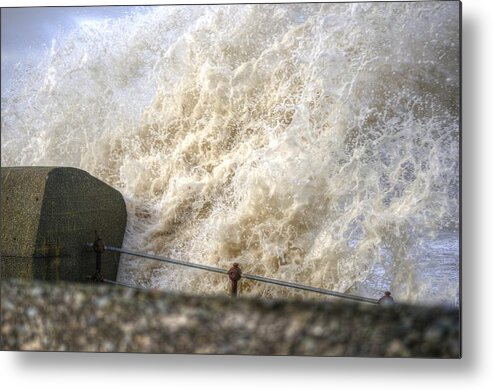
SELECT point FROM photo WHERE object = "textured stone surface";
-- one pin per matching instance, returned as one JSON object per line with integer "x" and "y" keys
{"x": 48, "y": 214}
{"x": 76, "y": 317}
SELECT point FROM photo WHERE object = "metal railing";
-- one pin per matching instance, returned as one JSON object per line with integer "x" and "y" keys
{"x": 234, "y": 274}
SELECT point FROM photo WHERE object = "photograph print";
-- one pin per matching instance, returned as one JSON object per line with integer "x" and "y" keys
{"x": 235, "y": 179}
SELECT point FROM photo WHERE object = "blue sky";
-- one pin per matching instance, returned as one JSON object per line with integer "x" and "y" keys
{"x": 27, "y": 32}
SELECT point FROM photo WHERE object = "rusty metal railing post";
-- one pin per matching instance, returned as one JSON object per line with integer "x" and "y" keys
{"x": 58, "y": 253}
{"x": 99, "y": 248}
{"x": 386, "y": 300}
{"x": 234, "y": 275}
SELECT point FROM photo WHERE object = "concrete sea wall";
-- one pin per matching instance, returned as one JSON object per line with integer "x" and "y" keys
{"x": 48, "y": 214}
{"x": 77, "y": 317}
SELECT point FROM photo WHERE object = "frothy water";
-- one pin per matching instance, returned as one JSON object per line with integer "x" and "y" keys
{"x": 315, "y": 143}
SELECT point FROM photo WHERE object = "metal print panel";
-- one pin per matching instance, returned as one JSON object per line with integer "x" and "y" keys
{"x": 290, "y": 177}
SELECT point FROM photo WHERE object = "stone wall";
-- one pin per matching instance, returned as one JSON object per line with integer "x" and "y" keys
{"x": 76, "y": 317}
{"x": 48, "y": 214}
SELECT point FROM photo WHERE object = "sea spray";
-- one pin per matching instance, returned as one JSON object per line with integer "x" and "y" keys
{"x": 315, "y": 143}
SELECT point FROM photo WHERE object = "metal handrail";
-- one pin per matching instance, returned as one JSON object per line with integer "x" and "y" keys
{"x": 123, "y": 284}
{"x": 167, "y": 260}
{"x": 246, "y": 276}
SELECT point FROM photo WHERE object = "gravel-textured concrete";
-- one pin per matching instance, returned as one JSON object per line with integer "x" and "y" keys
{"x": 77, "y": 317}
{"x": 48, "y": 214}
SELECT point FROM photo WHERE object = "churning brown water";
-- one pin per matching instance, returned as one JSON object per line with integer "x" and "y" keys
{"x": 315, "y": 143}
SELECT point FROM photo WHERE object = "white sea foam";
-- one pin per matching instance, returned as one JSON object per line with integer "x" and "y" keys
{"x": 314, "y": 143}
